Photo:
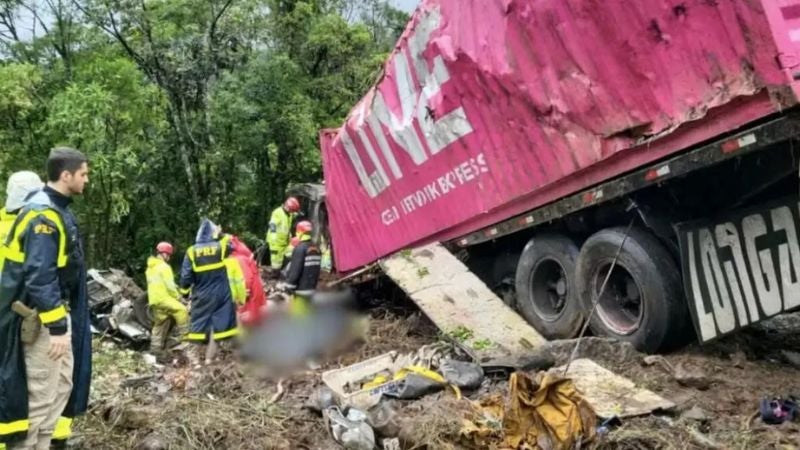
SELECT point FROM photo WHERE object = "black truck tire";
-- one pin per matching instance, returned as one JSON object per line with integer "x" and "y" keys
{"x": 643, "y": 301}
{"x": 141, "y": 309}
{"x": 545, "y": 285}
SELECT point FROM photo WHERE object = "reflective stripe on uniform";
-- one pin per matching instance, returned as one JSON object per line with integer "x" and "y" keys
{"x": 17, "y": 426}
{"x": 54, "y": 315}
{"x": 63, "y": 429}
{"x": 217, "y": 336}
{"x": 223, "y": 243}
{"x": 12, "y": 251}
{"x": 227, "y": 334}
{"x": 236, "y": 281}
{"x": 207, "y": 267}
{"x": 196, "y": 337}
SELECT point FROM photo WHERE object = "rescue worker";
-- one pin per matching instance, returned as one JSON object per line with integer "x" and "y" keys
{"x": 20, "y": 185}
{"x": 249, "y": 313}
{"x": 280, "y": 231}
{"x": 288, "y": 255}
{"x": 45, "y": 343}
{"x": 304, "y": 269}
{"x": 206, "y": 276}
{"x": 164, "y": 299}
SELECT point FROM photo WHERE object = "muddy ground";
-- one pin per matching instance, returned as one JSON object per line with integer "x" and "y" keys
{"x": 136, "y": 405}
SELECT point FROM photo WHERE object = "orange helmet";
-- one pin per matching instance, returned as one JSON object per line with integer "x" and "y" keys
{"x": 292, "y": 205}
{"x": 165, "y": 247}
{"x": 303, "y": 227}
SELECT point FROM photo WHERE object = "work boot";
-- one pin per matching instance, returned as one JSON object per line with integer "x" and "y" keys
{"x": 177, "y": 338}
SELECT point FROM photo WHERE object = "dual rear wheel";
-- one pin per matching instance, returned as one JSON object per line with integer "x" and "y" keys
{"x": 642, "y": 303}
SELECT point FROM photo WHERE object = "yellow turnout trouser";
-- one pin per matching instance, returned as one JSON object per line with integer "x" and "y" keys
{"x": 163, "y": 311}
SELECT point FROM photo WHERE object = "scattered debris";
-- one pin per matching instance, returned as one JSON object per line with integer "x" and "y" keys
{"x": 548, "y": 412}
{"x": 406, "y": 376}
{"x": 454, "y": 298}
{"x": 278, "y": 392}
{"x": 352, "y": 431}
{"x": 413, "y": 382}
{"x": 383, "y": 419}
{"x": 390, "y": 444}
{"x": 776, "y": 411}
{"x": 118, "y": 306}
{"x": 224, "y": 406}
{"x": 612, "y": 395}
{"x": 346, "y": 382}
{"x": 322, "y": 399}
{"x": 694, "y": 435}
{"x": 465, "y": 375}
{"x": 607, "y": 425}
{"x": 135, "y": 382}
{"x": 697, "y": 414}
{"x": 691, "y": 377}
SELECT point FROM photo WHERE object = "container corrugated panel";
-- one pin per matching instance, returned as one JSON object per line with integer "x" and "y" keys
{"x": 487, "y": 109}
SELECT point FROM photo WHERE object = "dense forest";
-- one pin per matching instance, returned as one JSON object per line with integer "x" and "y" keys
{"x": 185, "y": 108}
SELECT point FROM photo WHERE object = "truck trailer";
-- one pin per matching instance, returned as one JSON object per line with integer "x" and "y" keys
{"x": 549, "y": 140}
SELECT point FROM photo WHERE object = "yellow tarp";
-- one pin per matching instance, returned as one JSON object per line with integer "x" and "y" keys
{"x": 545, "y": 413}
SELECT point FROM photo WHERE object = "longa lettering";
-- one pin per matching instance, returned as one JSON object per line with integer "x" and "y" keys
{"x": 761, "y": 263}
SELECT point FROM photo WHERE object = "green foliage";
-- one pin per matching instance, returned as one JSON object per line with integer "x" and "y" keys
{"x": 482, "y": 344}
{"x": 461, "y": 334}
{"x": 186, "y": 108}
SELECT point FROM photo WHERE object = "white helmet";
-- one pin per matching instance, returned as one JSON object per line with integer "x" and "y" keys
{"x": 20, "y": 185}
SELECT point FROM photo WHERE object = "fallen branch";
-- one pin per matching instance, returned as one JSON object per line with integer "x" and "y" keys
{"x": 136, "y": 381}
{"x": 279, "y": 393}
{"x": 747, "y": 423}
{"x": 698, "y": 437}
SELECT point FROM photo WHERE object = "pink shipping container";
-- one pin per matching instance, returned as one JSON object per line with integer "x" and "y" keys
{"x": 490, "y": 108}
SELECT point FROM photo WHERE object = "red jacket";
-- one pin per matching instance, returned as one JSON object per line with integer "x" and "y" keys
{"x": 250, "y": 313}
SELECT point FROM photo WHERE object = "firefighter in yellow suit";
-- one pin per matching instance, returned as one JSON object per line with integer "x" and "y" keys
{"x": 279, "y": 234}
{"x": 164, "y": 299}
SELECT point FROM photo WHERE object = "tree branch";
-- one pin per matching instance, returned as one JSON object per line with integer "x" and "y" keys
{"x": 37, "y": 18}
{"x": 7, "y": 20}
{"x": 213, "y": 28}
{"x": 113, "y": 31}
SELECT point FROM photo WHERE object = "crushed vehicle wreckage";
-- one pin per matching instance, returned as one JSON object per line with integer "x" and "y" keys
{"x": 118, "y": 307}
